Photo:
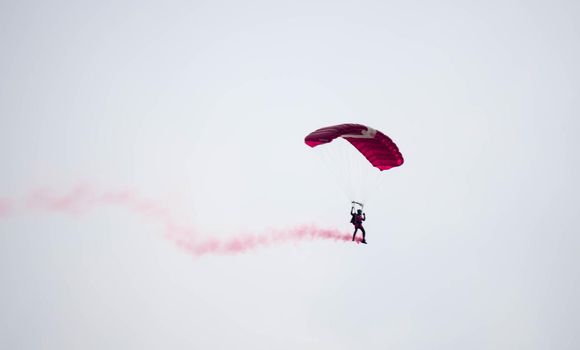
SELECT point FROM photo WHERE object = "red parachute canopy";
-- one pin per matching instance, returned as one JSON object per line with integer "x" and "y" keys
{"x": 377, "y": 147}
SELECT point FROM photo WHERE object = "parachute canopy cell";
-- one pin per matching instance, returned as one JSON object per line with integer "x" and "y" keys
{"x": 377, "y": 147}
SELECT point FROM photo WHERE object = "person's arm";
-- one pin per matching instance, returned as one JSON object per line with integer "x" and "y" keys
{"x": 352, "y": 211}
{"x": 364, "y": 216}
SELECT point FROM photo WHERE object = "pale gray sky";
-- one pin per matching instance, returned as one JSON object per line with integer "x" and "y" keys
{"x": 203, "y": 106}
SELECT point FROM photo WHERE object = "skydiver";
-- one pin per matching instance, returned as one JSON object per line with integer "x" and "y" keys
{"x": 356, "y": 220}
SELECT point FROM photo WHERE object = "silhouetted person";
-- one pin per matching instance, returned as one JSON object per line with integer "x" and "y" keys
{"x": 356, "y": 220}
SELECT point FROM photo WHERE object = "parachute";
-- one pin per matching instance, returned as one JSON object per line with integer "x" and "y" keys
{"x": 377, "y": 147}
{"x": 356, "y": 167}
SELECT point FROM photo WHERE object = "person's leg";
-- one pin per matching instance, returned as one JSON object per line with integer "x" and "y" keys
{"x": 364, "y": 233}
{"x": 354, "y": 234}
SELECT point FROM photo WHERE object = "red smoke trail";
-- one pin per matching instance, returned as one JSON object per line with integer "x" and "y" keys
{"x": 83, "y": 199}
{"x": 5, "y": 207}
{"x": 245, "y": 243}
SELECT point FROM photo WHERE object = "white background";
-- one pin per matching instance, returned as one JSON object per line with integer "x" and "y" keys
{"x": 203, "y": 106}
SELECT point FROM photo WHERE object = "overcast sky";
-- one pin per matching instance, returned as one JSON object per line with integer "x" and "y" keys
{"x": 202, "y": 106}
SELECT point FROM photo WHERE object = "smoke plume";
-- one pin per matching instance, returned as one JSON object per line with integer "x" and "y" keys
{"x": 83, "y": 199}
